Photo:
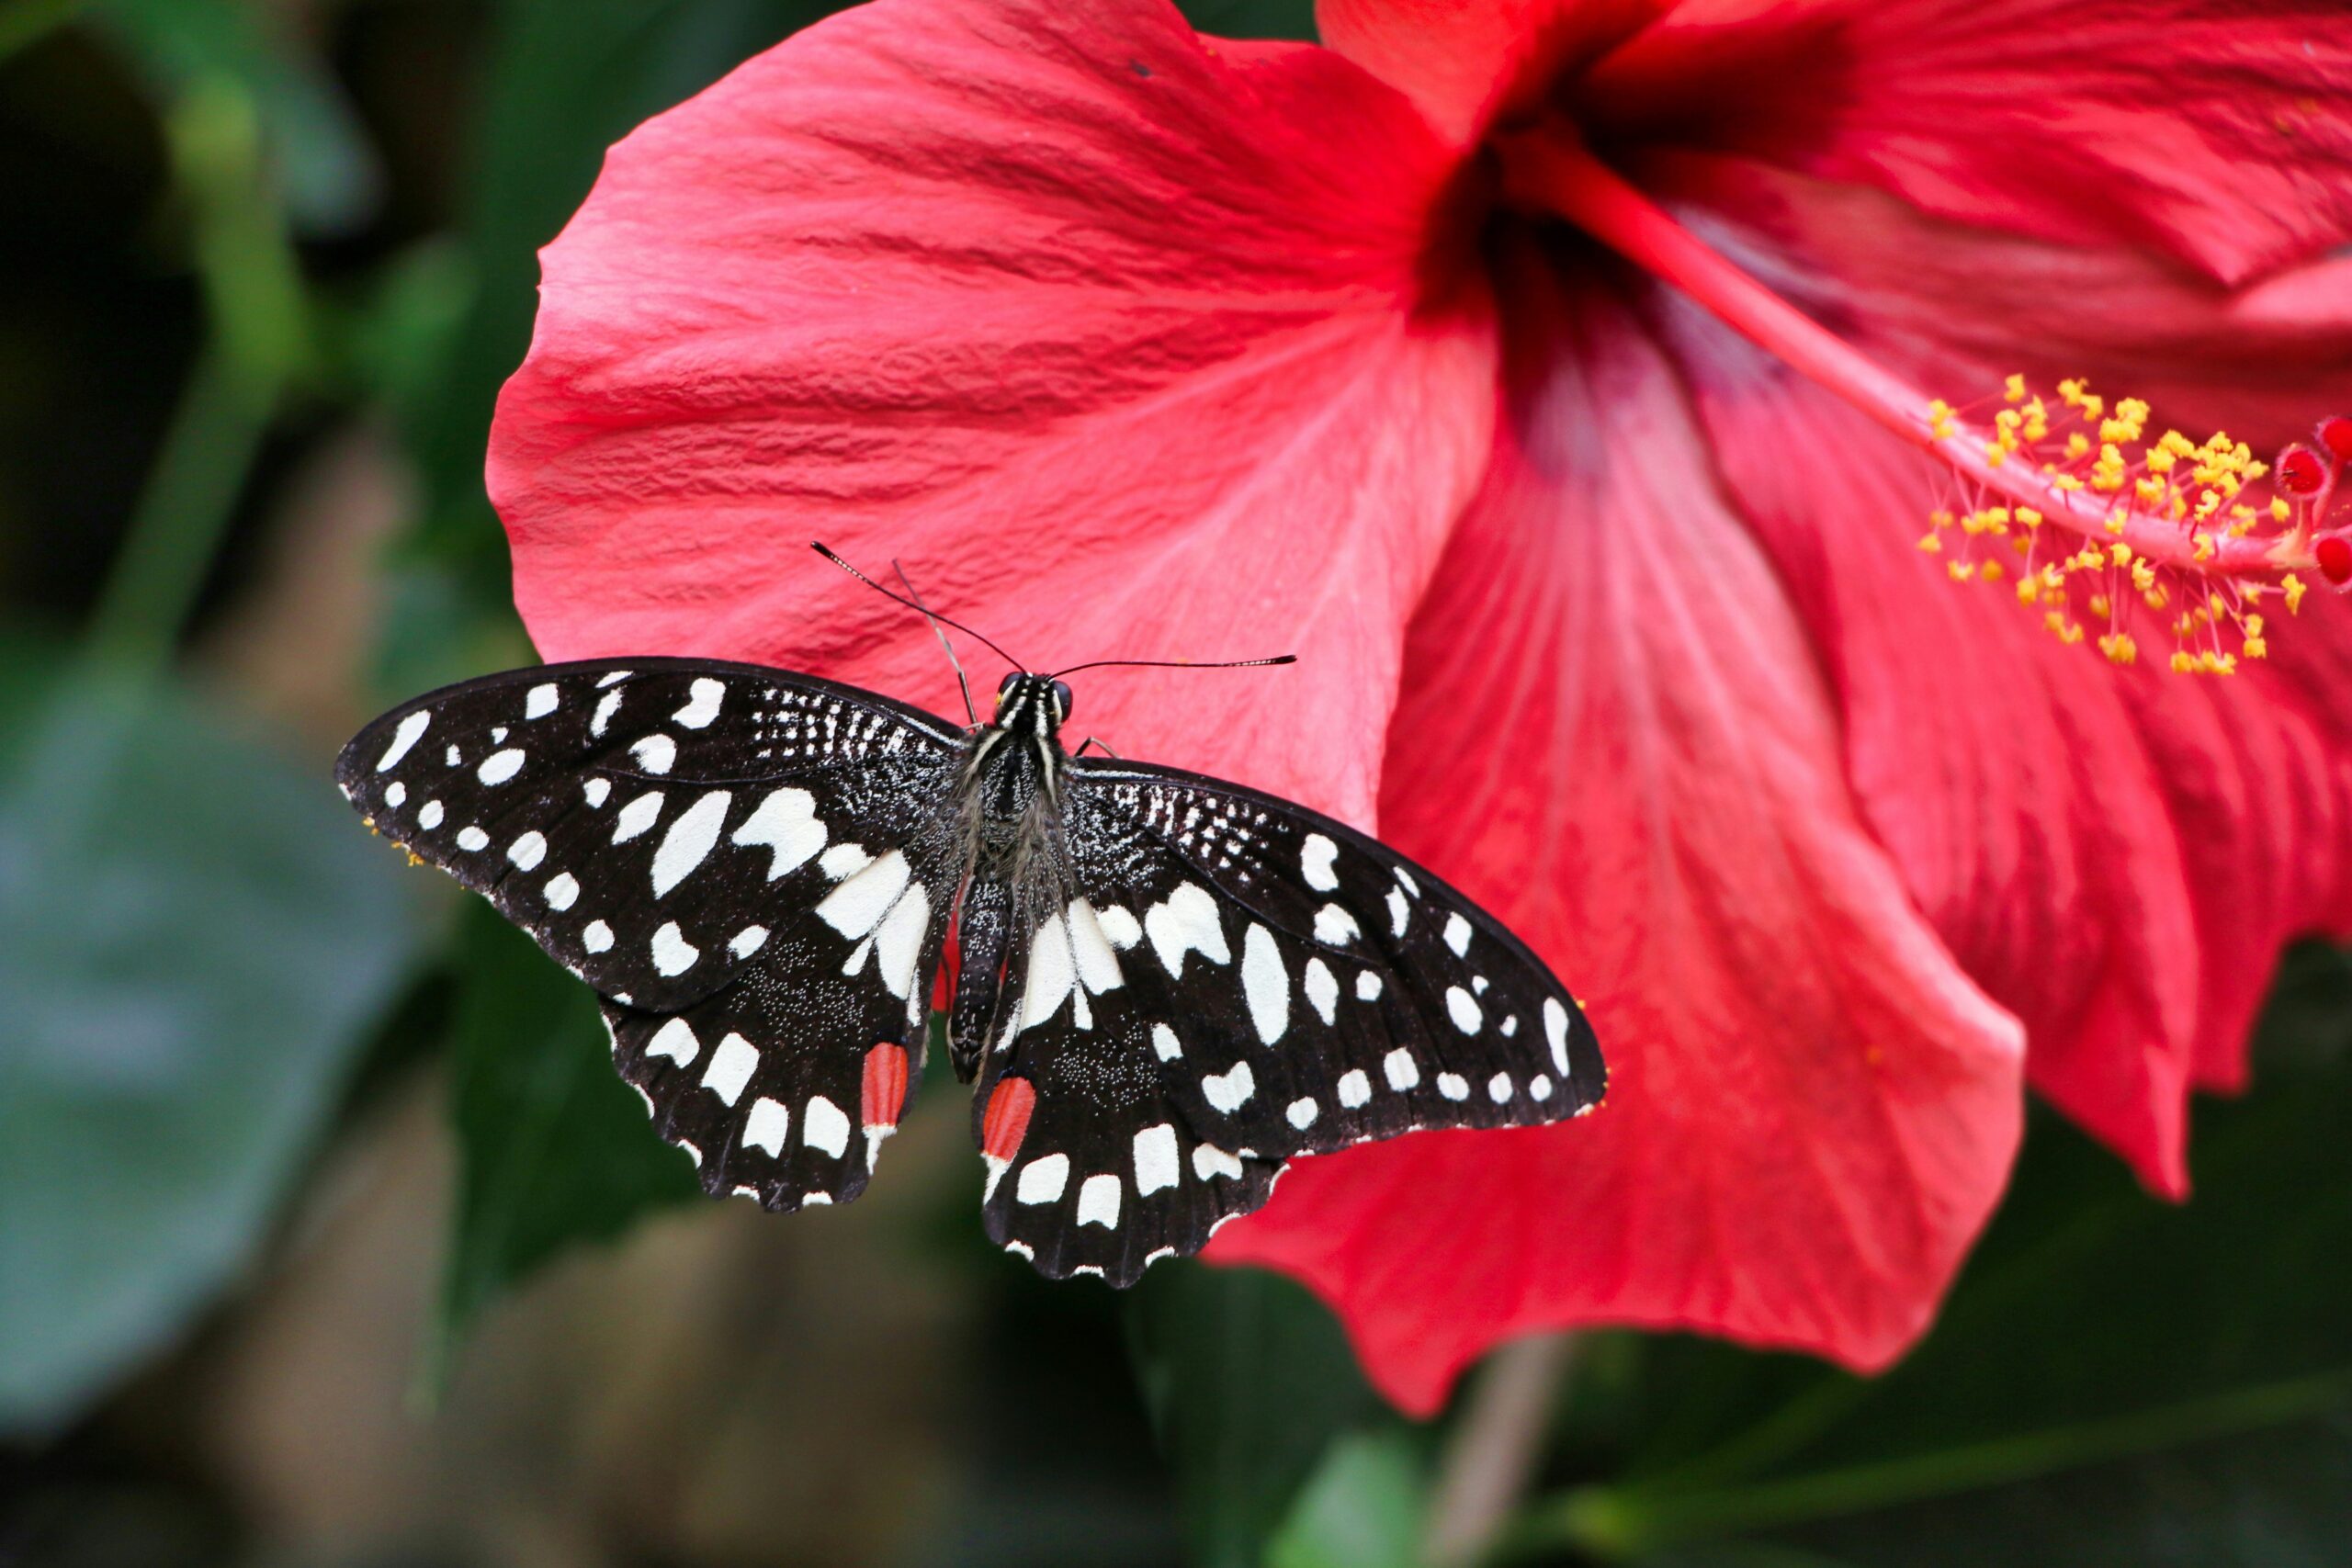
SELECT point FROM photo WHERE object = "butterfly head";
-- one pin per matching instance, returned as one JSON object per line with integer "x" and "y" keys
{"x": 1031, "y": 703}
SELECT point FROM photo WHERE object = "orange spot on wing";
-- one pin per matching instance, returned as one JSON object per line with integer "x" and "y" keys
{"x": 1006, "y": 1121}
{"x": 884, "y": 1092}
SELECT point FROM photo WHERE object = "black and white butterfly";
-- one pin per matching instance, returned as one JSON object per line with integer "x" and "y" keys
{"x": 1167, "y": 984}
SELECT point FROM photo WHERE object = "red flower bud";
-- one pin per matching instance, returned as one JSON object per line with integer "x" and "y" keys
{"x": 2335, "y": 554}
{"x": 2302, "y": 472}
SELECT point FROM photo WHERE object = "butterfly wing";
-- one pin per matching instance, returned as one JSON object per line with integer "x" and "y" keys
{"x": 1229, "y": 980}
{"x": 754, "y": 868}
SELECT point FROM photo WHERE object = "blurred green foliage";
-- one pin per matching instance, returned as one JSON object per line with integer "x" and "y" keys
{"x": 2117, "y": 1381}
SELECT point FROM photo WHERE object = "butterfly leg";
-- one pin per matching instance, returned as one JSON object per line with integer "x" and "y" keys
{"x": 1103, "y": 745}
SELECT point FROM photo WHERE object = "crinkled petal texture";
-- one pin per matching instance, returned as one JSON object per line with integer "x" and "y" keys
{"x": 2215, "y": 131}
{"x": 1466, "y": 62}
{"x": 1113, "y": 336}
{"x": 2116, "y": 857}
{"x": 1811, "y": 1108}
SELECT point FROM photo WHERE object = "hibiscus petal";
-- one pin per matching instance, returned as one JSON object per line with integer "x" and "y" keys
{"x": 2218, "y": 130}
{"x": 1633, "y": 760}
{"x": 2001, "y": 772}
{"x": 1114, "y": 340}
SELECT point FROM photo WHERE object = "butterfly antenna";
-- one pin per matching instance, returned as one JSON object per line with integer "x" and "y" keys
{"x": 942, "y": 620}
{"x": 970, "y": 713}
{"x": 1176, "y": 664}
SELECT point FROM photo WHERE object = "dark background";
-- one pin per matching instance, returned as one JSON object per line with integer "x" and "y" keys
{"x": 327, "y": 1237}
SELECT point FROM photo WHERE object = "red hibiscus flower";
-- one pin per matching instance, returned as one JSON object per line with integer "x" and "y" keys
{"x": 1440, "y": 355}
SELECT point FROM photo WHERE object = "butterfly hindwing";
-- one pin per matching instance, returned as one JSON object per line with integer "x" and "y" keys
{"x": 1244, "y": 981}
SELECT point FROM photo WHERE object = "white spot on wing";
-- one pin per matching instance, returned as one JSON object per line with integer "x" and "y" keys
{"x": 1098, "y": 1201}
{"x": 1316, "y": 856}
{"x": 1405, "y": 880}
{"x": 1334, "y": 927}
{"x": 597, "y": 792}
{"x": 767, "y": 1126}
{"x": 1355, "y": 1089}
{"x": 857, "y": 905}
{"x": 1457, "y": 934}
{"x": 1209, "y": 1160}
{"x": 1302, "y": 1112}
{"x": 1097, "y": 965}
{"x": 499, "y": 766}
{"x": 597, "y": 937}
{"x": 786, "y": 823}
{"x": 472, "y": 838}
{"x": 1399, "y": 913}
{"x": 674, "y": 1040}
{"x": 1499, "y": 1088}
{"x": 1462, "y": 1010}
{"x": 636, "y": 816}
{"x": 1042, "y": 1179}
{"x": 1155, "y": 1162}
{"x": 690, "y": 840}
{"x": 528, "y": 851}
{"x": 842, "y": 860}
{"x": 1119, "y": 926}
{"x": 748, "y": 940}
{"x": 1399, "y": 1069}
{"x": 702, "y": 705}
{"x": 430, "y": 816}
{"x": 1454, "y": 1085}
{"x": 1265, "y": 985}
{"x": 1231, "y": 1088}
{"x": 412, "y": 730}
{"x": 1186, "y": 923}
{"x": 1539, "y": 1087}
{"x": 606, "y": 706}
{"x": 672, "y": 954}
{"x": 730, "y": 1068}
{"x": 1165, "y": 1044}
{"x": 1367, "y": 987}
{"x": 1555, "y": 1030}
{"x": 1322, "y": 991}
{"x": 822, "y": 1126}
{"x": 397, "y": 795}
{"x": 540, "y": 701}
{"x": 655, "y": 753}
{"x": 898, "y": 943}
{"x": 562, "y": 890}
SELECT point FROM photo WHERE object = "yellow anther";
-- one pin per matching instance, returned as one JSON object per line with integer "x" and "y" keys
{"x": 2183, "y": 662}
{"x": 2015, "y": 390}
{"x": 1962, "y": 571}
{"x": 2027, "y": 516}
{"x": 2204, "y": 547}
{"x": 2099, "y": 606}
{"x": 2256, "y": 648}
{"x": 2118, "y": 647}
{"x": 2119, "y": 554}
{"x": 1932, "y": 545}
{"x": 1991, "y": 571}
{"x": 2077, "y": 444}
{"x": 2279, "y": 511}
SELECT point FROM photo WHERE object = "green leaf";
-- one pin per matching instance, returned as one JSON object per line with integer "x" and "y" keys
{"x": 1252, "y": 18}
{"x": 2107, "y": 1354}
{"x": 555, "y": 1151}
{"x": 1365, "y": 1507}
{"x": 193, "y": 941}
{"x": 1247, "y": 1380}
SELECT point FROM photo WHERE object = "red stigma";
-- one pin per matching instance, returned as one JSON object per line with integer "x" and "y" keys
{"x": 884, "y": 1091}
{"x": 2335, "y": 556}
{"x": 2335, "y": 435}
{"x": 2303, "y": 472}
{"x": 1006, "y": 1121}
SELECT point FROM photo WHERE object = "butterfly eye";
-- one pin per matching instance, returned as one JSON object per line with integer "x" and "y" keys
{"x": 1061, "y": 695}
{"x": 1004, "y": 687}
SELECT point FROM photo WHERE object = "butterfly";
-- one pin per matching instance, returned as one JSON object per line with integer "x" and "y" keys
{"x": 1165, "y": 985}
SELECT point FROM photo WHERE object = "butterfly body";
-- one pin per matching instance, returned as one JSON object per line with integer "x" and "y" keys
{"x": 1166, "y": 985}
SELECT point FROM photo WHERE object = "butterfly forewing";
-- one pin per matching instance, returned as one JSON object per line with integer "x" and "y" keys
{"x": 755, "y": 870}
{"x": 1233, "y": 981}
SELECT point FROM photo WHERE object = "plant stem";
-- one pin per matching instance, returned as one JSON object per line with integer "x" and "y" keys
{"x": 185, "y": 508}
{"x": 1495, "y": 1448}
{"x": 1631, "y": 1520}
